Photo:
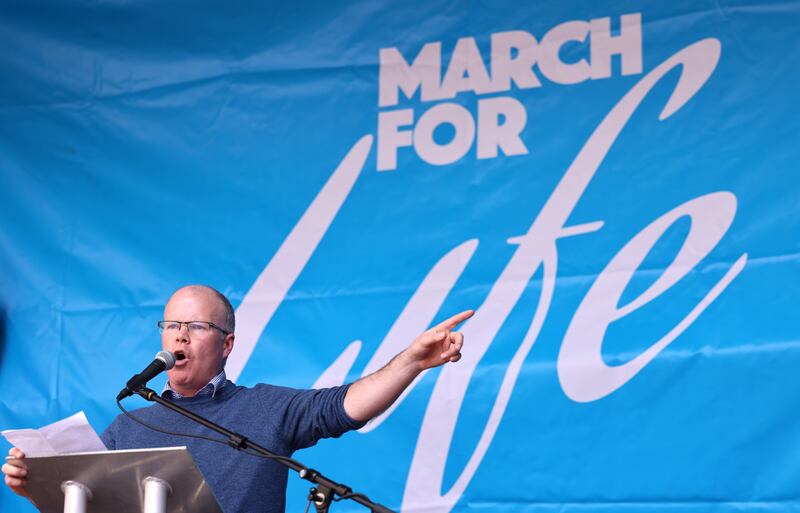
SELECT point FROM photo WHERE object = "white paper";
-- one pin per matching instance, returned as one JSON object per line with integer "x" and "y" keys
{"x": 73, "y": 434}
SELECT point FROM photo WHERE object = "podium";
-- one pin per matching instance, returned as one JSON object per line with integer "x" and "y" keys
{"x": 164, "y": 480}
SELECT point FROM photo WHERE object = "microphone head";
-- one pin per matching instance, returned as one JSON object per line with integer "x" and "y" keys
{"x": 168, "y": 358}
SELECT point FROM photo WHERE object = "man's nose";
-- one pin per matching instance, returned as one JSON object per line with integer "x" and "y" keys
{"x": 182, "y": 334}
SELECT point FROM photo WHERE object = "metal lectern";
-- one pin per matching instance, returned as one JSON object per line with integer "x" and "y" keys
{"x": 133, "y": 481}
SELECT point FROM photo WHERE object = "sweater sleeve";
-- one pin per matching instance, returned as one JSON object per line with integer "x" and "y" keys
{"x": 313, "y": 414}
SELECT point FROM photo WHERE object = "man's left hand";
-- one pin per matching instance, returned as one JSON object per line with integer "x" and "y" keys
{"x": 439, "y": 344}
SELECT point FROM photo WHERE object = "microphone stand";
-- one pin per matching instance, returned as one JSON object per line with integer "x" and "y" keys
{"x": 322, "y": 494}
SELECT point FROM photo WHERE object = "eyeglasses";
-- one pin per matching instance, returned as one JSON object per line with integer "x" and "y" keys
{"x": 194, "y": 327}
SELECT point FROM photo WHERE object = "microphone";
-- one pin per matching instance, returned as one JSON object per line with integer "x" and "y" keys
{"x": 164, "y": 360}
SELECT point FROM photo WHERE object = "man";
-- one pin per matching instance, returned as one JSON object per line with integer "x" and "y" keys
{"x": 198, "y": 325}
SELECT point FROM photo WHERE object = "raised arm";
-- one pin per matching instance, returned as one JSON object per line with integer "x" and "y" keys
{"x": 371, "y": 395}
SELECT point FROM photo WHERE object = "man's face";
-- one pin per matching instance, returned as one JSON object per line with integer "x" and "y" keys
{"x": 203, "y": 353}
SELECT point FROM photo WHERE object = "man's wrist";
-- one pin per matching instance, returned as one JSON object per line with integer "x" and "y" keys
{"x": 407, "y": 364}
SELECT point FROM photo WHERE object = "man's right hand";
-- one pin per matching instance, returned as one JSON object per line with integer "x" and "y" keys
{"x": 16, "y": 473}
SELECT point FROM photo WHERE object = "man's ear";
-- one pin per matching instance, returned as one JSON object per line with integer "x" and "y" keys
{"x": 228, "y": 345}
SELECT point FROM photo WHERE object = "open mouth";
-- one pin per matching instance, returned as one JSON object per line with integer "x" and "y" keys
{"x": 180, "y": 355}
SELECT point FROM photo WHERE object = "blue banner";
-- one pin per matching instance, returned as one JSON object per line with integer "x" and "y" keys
{"x": 611, "y": 185}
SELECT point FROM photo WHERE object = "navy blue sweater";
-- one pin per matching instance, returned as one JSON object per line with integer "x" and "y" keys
{"x": 278, "y": 418}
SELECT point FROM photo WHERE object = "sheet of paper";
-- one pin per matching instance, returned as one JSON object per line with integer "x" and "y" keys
{"x": 73, "y": 434}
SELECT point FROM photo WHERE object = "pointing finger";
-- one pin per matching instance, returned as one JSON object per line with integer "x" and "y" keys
{"x": 455, "y": 320}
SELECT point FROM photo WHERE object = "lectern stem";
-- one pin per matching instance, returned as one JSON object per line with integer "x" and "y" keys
{"x": 76, "y": 496}
{"x": 155, "y": 495}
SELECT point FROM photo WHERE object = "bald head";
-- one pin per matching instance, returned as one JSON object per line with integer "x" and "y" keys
{"x": 223, "y": 310}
